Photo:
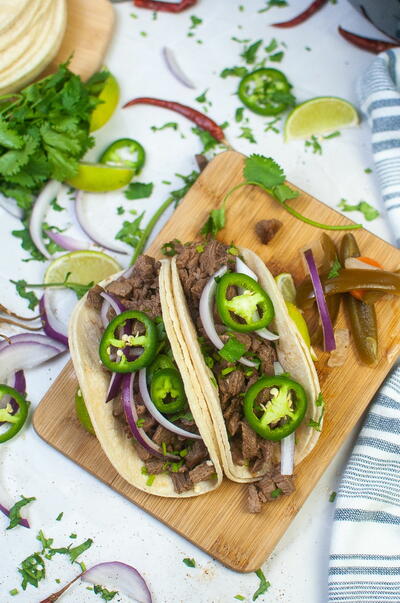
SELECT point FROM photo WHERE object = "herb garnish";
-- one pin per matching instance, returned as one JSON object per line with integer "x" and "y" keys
{"x": 335, "y": 269}
{"x": 60, "y": 516}
{"x": 215, "y": 222}
{"x": 106, "y": 595}
{"x": 264, "y": 584}
{"x": 273, "y": 3}
{"x": 22, "y": 292}
{"x": 248, "y": 134}
{"x": 240, "y": 597}
{"x": 169, "y": 124}
{"x": 332, "y": 497}
{"x": 21, "y": 286}
{"x": 233, "y": 71}
{"x": 249, "y": 54}
{"x": 369, "y": 212}
{"x": 232, "y": 350}
{"x": 14, "y": 514}
{"x": 314, "y": 145}
{"x": 189, "y": 562}
{"x": 318, "y": 402}
{"x": 139, "y": 190}
{"x": 130, "y": 233}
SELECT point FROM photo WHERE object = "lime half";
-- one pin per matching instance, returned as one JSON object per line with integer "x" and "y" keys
{"x": 319, "y": 116}
{"x": 299, "y": 321}
{"x": 285, "y": 284}
{"x": 82, "y": 412}
{"x": 83, "y": 266}
{"x": 100, "y": 178}
{"x": 109, "y": 97}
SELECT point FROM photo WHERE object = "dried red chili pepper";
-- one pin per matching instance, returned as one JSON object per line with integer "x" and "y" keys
{"x": 167, "y": 7}
{"x": 369, "y": 44}
{"x": 198, "y": 118}
{"x": 314, "y": 6}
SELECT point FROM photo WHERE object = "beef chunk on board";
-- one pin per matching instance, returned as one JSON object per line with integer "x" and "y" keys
{"x": 202, "y": 472}
{"x": 267, "y": 229}
{"x": 182, "y": 482}
{"x": 253, "y": 500}
{"x": 264, "y": 462}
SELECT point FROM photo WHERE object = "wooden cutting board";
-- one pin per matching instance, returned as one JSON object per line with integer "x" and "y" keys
{"x": 90, "y": 25}
{"x": 218, "y": 522}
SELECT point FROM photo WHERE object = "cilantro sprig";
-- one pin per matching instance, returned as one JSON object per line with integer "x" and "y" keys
{"x": 265, "y": 173}
{"x": 22, "y": 287}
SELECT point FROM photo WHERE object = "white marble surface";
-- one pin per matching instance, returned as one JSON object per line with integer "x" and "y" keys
{"x": 297, "y": 569}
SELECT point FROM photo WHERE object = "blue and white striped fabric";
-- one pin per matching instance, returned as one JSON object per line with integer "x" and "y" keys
{"x": 379, "y": 94}
{"x": 365, "y": 548}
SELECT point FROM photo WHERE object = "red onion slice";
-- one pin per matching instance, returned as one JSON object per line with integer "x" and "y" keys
{"x": 175, "y": 69}
{"x": 24, "y": 355}
{"x": 11, "y": 206}
{"x": 32, "y": 338}
{"x": 288, "y": 443}
{"x": 206, "y": 309}
{"x": 86, "y": 224}
{"x": 131, "y": 416}
{"x": 124, "y": 578}
{"x": 52, "y": 326}
{"x": 149, "y": 404}
{"x": 40, "y": 207}
{"x": 241, "y": 267}
{"x": 327, "y": 328}
{"x": 113, "y": 301}
{"x": 114, "y": 387}
{"x": 67, "y": 242}
{"x": 22, "y": 522}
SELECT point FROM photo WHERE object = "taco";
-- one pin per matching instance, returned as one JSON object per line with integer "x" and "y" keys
{"x": 147, "y": 411}
{"x": 240, "y": 338}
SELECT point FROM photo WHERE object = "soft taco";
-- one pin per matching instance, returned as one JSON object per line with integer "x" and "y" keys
{"x": 241, "y": 339}
{"x": 147, "y": 411}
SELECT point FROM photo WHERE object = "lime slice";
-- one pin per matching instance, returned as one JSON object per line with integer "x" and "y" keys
{"x": 319, "y": 116}
{"x": 285, "y": 284}
{"x": 82, "y": 413}
{"x": 299, "y": 321}
{"x": 109, "y": 97}
{"x": 84, "y": 266}
{"x": 100, "y": 178}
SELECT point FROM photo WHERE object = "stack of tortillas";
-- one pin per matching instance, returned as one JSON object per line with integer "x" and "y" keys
{"x": 31, "y": 32}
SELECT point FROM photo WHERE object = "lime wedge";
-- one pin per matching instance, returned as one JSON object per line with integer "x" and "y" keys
{"x": 319, "y": 116}
{"x": 285, "y": 284}
{"x": 299, "y": 321}
{"x": 109, "y": 97}
{"x": 82, "y": 412}
{"x": 100, "y": 178}
{"x": 83, "y": 266}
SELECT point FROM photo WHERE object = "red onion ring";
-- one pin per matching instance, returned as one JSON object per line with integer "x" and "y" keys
{"x": 67, "y": 242}
{"x": 86, "y": 225}
{"x": 327, "y": 328}
{"x": 24, "y": 355}
{"x": 131, "y": 416}
{"x": 32, "y": 338}
{"x": 155, "y": 413}
{"x": 53, "y": 327}
{"x": 175, "y": 69}
{"x": 113, "y": 301}
{"x": 123, "y": 577}
{"x": 40, "y": 207}
{"x": 114, "y": 386}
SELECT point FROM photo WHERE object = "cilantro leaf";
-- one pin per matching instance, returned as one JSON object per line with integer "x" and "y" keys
{"x": 106, "y": 595}
{"x": 22, "y": 292}
{"x": 78, "y": 550}
{"x": 233, "y": 71}
{"x": 249, "y": 54}
{"x": 215, "y": 222}
{"x": 369, "y": 212}
{"x": 130, "y": 232}
{"x": 14, "y": 515}
{"x": 264, "y": 584}
{"x": 248, "y": 134}
{"x": 139, "y": 190}
{"x": 335, "y": 269}
{"x": 273, "y": 45}
{"x": 332, "y": 497}
{"x": 189, "y": 562}
{"x": 32, "y": 570}
{"x": 263, "y": 171}
{"x": 317, "y": 424}
{"x": 202, "y": 98}
{"x": 9, "y": 138}
{"x": 232, "y": 350}
{"x": 169, "y": 124}
{"x": 277, "y": 57}
{"x": 208, "y": 141}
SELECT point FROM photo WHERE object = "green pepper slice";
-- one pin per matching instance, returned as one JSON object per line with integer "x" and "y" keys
{"x": 167, "y": 391}
{"x": 245, "y": 305}
{"x": 162, "y": 361}
{"x": 17, "y": 419}
{"x": 125, "y": 151}
{"x": 288, "y": 405}
{"x": 113, "y": 343}
{"x": 266, "y": 91}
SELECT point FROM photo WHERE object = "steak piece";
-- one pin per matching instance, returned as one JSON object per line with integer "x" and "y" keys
{"x": 120, "y": 287}
{"x": 267, "y": 229}
{"x": 155, "y": 466}
{"x": 146, "y": 268}
{"x": 232, "y": 384}
{"x": 182, "y": 482}
{"x": 249, "y": 441}
{"x": 233, "y": 423}
{"x": 202, "y": 472}
{"x": 236, "y": 451}
{"x": 94, "y": 298}
{"x": 253, "y": 500}
{"x": 162, "y": 435}
{"x": 142, "y": 452}
{"x": 264, "y": 462}
{"x": 197, "y": 453}
{"x": 284, "y": 482}
{"x": 266, "y": 486}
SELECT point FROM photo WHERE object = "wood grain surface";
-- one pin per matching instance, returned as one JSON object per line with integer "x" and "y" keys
{"x": 90, "y": 25}
{"x": 218, "y": 522}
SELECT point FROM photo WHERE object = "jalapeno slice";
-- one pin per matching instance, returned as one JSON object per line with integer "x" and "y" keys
{"x": 162, "y": 361}
{"x": 7, "y": 414}
{"x": 266, "y": 91}
{"x": 125, "y": 151}
{"x": 246, "y": 305}
{"x": 281, "y": 413}
{"x": 167, "y": 391}
{"x": 115, "y": 348}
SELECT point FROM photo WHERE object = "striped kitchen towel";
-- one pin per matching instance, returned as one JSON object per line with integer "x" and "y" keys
{"x": 365, "y": 547}
{"x": 379, "y": 94}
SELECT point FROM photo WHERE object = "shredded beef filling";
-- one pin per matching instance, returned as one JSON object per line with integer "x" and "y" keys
{"x": 196, "y": 264}
{"x": 140, "y": 291}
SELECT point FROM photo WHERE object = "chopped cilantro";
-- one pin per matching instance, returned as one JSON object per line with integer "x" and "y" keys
{"x": 133, "y": 16}
{"x": 273, "y": 3}
{"x": 14, "y": 592}
{"x": 249, "y": 54}
{"x": 139, "y": 190}
{"x": 140, "y": 423}
{"x": 276, "y": 493}
{"x": 263, "y": 586}
{"x": 239, "y": 114}
{"x": 168, "y": 249}
{"x": 273, "y": 45}
{"x": 307, "y": 48}
{"x": 14, "y": 514}
{"x": 170, "y": 124}
{"x": 233, "y": 71}
{"x": 32, "y": 570}
{"x": 320, "y": 400}
{"x": 317, "y": 424}
{"x": 144, "y": 34}
{"x": 28, "y": 244}
{"x": 240, "y": 597}
{"x": 240, "y": 41}
{"x": 131, "y": 232}
{"x": 120, "y": 210}
{"x": 78, "y": 550}
{"x": 28, "y": 295}
{"x": 78, "y": 288}
{"x": 248, "y": 134}
{"x": 368, "y": 170}
{"x": 276, "y": 57}
{"x": 232, "y": 350}
{"x": 73, "y": 536}
{"x": 215, "y": 222}
{"x": 332, "y": 135}
{"x": 369, "y": 212}
{"x": 56, "y": 206}
{"x": 196, "y": 21}
{"x": 164, "y": 448}
{"x": 270, "y": 125}
{"x": 144, "y": 470}
{"x": 208, "y": 141}
{"x": 241, "y": 7}
{"x": 202, "y": 98}
{"x": 200, "y": 248}
{"x": 335, "y": 269}
{"x": 314, "y": 145}
{"x": 189, "y": 562}
{"x": 150, "y": 480}
{"x": 60, "y": 516}
{"x": 227, "y": 370}
{"x": 213, "y": 381}
{"x": 332, "y": 497}
{"x": 106, "y": 595}
{"x": 232, "y": 250}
